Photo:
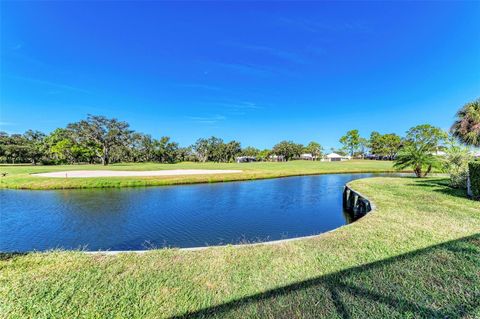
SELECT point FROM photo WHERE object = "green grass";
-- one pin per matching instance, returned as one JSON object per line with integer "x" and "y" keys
{"x": 416, "y": 256}
{"x": 20, "y": 176}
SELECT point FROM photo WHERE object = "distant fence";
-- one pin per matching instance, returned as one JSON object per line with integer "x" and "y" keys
{"x": 355, "y": 203}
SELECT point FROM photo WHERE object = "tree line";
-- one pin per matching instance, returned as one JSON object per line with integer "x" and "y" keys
{"x": 98, "y": 139}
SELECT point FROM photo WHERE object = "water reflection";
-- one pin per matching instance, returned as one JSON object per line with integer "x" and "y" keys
{"x": 178, "y": 216}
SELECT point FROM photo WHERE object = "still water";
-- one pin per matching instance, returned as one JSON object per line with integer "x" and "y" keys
{"x": 173, "y": 216}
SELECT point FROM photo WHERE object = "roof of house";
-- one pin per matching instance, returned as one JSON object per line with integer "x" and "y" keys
{"x": 332, "y": 155}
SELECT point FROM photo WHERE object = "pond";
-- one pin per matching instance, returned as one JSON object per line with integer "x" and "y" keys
{"x": 172, "y": 216}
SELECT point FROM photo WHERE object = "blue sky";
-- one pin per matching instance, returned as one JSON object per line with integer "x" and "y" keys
{"x": 257, "y": 72}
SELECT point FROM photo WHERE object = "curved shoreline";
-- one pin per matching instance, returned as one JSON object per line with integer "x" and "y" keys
{"x": 271, "y": 242}
{"x": 209, "y": 179}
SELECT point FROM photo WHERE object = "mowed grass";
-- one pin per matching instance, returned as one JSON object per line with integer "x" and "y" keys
{"x": 20, "y": 176}
{"x": 416, "y": 256}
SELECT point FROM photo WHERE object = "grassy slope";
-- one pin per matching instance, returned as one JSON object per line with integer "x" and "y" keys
{"x": 416, "y": 256}
{"x": 19, "y": 176}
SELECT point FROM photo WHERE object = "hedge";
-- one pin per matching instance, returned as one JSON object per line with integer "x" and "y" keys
{"x": 474, "y": 172}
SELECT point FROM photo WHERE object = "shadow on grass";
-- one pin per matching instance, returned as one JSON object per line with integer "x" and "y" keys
{"x": 8, "y": 256}
{"x": 441, "y": 186}
{"x": 437, "y": 282}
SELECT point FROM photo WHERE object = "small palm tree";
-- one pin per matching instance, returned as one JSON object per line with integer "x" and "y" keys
{"x": 467, "y": 126}
{"x": 418, "y": 157}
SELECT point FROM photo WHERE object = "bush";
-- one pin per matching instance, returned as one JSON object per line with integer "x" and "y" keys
{"x": 458, "y": 177}
{"x": 474, "y": 172}
{"x": 455, "y": 163}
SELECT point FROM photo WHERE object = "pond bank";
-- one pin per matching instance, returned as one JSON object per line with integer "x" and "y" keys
{"x": 20, "y": 177}
{"x": 418, "y": 253}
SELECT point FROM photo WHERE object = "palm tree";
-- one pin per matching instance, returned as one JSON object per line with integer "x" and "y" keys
{"x": 467, "y": 126}
{"x": 419, "y": 157}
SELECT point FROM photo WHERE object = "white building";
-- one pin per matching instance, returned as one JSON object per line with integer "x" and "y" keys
{"x": 334, "y": 157}
{"x": 277, "y": 158}
{"x": 246, "y": 159}
{"x": 307, "y": 156}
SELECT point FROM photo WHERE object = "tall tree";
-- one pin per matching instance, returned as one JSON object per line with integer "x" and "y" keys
{"x": 250, "y": 151}
{"x": 231, "y": 150}
{"x": 375, "y": 143}
{"x": 165, "y": 150}
{"x": 467, "y": 126}
{"x": 315, "y": 149}
{"x": 14, "y": 148}
{"x": 106, "y": 133}
{"x": 287, "y": 149}
{"x": 351, "y": 141}
{"x": 427, "y": 136}
{"x": 62, "y": 148}
{"x": 201, "y": 149}
{"x": 391, "y": 144}
{"x": 34, "y": 143}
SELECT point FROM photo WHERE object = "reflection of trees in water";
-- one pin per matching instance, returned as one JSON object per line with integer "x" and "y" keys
{"x": 96, "y": 216}
{"x": 96, "y": 202}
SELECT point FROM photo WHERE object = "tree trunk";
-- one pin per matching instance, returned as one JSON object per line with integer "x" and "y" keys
{"x": 469, "y": 186}
{"x": 418, "y": 171}
{"x": 105, "y": 156}
{"x": 428, "y": 170}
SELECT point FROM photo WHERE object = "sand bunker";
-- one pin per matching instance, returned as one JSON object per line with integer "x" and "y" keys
{"x": 173, "y": 172}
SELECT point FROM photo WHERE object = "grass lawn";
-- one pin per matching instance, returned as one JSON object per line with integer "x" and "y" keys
{"x": 416, "y": 256}
{"x": 19, "y": 176}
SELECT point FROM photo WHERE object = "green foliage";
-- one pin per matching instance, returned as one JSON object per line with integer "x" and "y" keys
{"x": 13, "y": 148}
{"x": 20, "y": 176}
{"x": 287, "y": 149}
{"x": 62, "y": 147}
{"x": 105, "y": 133}
{"x": 426, "y": 136}
{"x": 315, "y": 149}
{"x": 34, "y": 142}
{"x": 351, "y": 141}
{"x": 216, "y": 150}
{"x": 418, "y": 152}
{"x": 456, "y": 164}
{"x": 417, "y": 256}
{"x": 386, "y": 145}
{"x": 419, "y": 158}
{"x": 474, "y": 172}
{"x": 250, "y": 151}
{"x": 264, "y": 154}
{"x": 467, "y": 126}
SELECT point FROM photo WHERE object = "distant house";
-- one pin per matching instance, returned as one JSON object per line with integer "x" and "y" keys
{"x": 277, "y": 158}
{"x": 307, "y": 156}
{"x": 334, "y": 157}
{"x": 246, "y": 159}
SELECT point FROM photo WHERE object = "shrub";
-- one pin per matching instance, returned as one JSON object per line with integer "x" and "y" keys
{"x": 458, "y": 177}
{"x": 474, "y": 172}
{"x": 455, "y": 163}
